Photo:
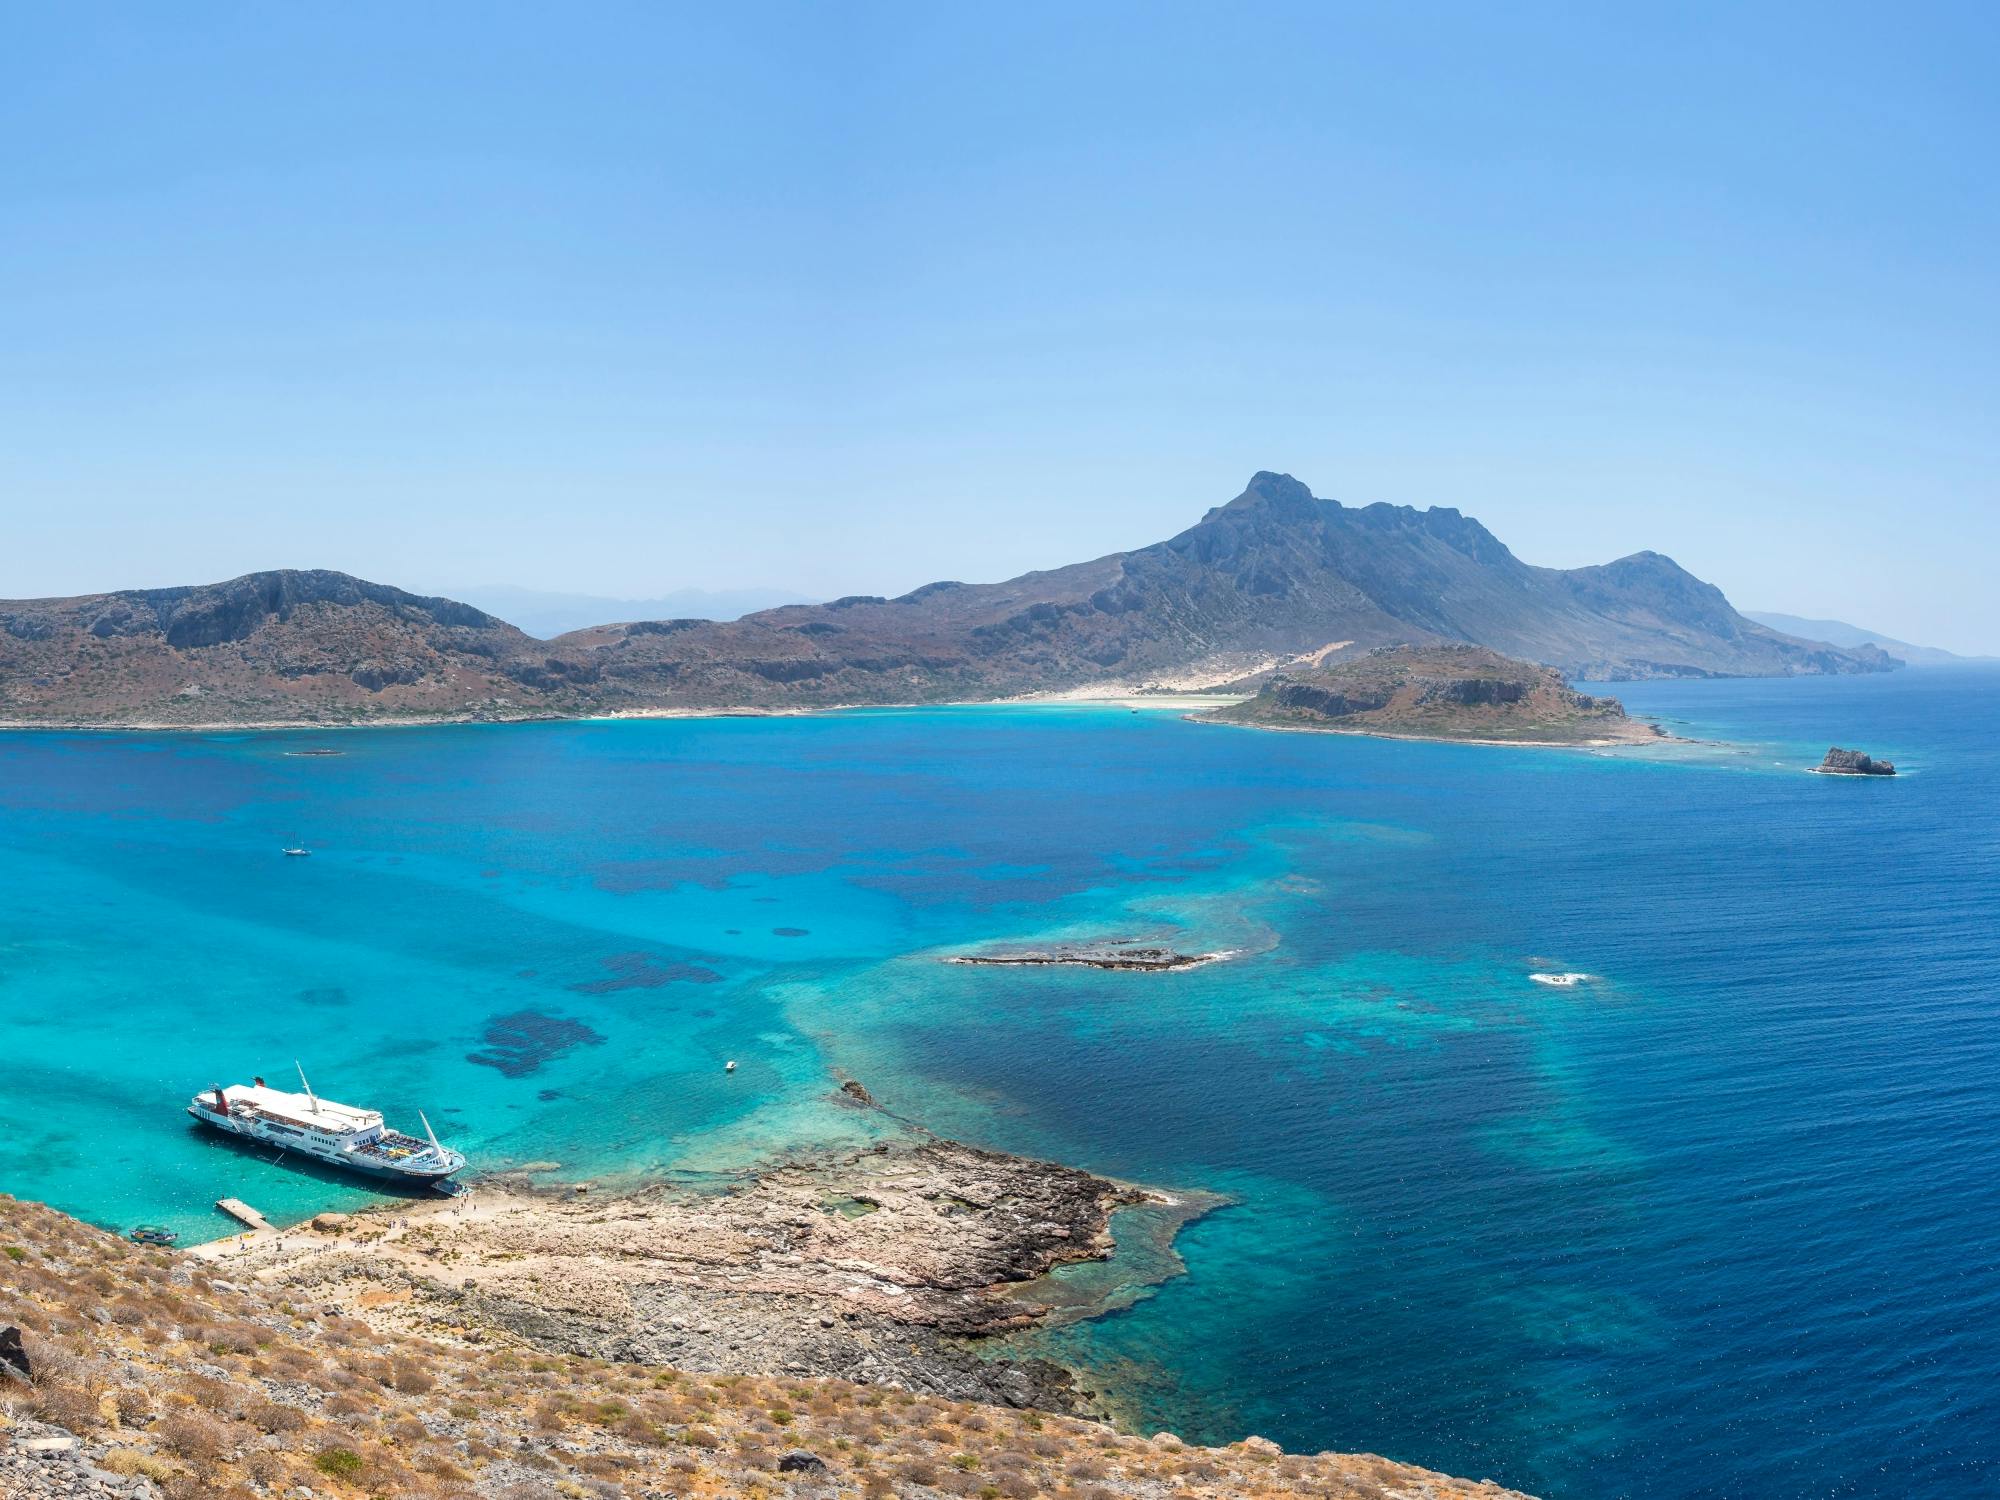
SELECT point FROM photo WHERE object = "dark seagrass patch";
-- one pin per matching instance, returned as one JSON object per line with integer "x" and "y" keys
{"x": 520, "y": 1042}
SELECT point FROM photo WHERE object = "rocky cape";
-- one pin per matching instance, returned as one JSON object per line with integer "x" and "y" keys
{"x": 888, "y": 1264}
{"x": 1438, "y": 693}
{"x": 1275, "y": 580}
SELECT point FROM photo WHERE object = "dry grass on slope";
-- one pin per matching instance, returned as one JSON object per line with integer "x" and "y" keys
{"x": 215, "y": 1391}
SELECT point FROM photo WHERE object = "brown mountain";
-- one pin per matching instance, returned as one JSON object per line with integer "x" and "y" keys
{"x": 1274, "y": 578}
{"x": 267, "y": 647}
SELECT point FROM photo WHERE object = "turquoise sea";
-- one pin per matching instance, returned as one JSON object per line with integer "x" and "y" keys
{"x": 1721, "y": 1224}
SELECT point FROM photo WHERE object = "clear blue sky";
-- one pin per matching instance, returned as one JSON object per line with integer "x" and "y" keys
{"x": 843, "y": 298}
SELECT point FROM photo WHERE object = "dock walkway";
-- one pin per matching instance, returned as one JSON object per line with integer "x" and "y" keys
{"x": 236, "y": 1208}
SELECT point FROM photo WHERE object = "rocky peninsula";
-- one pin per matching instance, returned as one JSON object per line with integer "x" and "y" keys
{"x": 1438, "y": 692}
{"x": 884, "y": 1265}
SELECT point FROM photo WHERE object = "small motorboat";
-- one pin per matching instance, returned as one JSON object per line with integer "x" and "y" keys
{"x": 297, "y": 851}
{"x": 153, "y": 1234}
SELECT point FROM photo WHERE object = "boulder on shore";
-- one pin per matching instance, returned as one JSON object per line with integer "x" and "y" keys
{"x": 1841, "y": 762}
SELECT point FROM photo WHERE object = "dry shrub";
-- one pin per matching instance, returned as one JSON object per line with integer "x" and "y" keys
{"x": 292, "y": 1360}
{"x": 636, "y": 1429}
{"x": 208, "y": 1394}
{"x": 238, "y": 1338}
{"x": 409, "y": 1376}
{"x": 133, "y": 1462}
{"x": 54, "y": 1361}
{"x": 347, "y": 1404}
{"x": 71, "y": 1407}
{"x": 438, "y": 1465}
{"x": 275, "y": 1417}
{"x": 191, "y": 1436}
{"x": 266, "y": 1467}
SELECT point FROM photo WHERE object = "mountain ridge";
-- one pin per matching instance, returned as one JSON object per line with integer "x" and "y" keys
{"x": 1273, "y": 577}
{"x": 1840, "y": 633}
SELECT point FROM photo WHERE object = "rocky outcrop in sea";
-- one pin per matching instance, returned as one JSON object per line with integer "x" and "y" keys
{"x": 1841, "y": 762}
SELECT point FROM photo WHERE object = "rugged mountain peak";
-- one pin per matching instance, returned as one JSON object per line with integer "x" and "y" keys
{"x": 1278, "y": 492}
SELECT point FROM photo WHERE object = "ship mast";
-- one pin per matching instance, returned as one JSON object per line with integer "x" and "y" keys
{"x": 306, "y": 1086}
{"x": 430, "y": 1132}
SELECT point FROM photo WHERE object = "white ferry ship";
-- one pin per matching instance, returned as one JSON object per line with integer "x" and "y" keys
{"x": 339, "y": 1134}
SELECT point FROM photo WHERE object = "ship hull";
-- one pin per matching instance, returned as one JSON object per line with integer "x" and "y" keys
{"x": 346, "y": 1161}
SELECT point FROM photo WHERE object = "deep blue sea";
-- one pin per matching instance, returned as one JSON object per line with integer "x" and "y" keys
{"x": 1724, "y": 1223}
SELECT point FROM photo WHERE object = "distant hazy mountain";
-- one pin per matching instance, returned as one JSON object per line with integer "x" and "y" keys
{"x": 1276, "y": 579}
{"x": 1839, "y": 633}
{"x": 543, "y": 613}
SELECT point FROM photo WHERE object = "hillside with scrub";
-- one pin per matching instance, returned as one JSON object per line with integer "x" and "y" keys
{"x": 149, "y": 1373}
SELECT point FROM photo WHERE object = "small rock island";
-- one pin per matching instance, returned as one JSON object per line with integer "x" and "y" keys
{"x": 1110, "y": 953}
{"x": 1841, "y": 762}
{"x": 1439, "y": 692}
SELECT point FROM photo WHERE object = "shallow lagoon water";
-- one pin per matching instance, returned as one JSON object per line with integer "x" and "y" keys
{"x": 1722, "y": 1223}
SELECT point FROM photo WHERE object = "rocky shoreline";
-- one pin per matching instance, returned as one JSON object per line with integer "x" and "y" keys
{"x": 892, "y": 1265}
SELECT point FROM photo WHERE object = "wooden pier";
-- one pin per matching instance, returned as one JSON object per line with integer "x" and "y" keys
{"x": 236, "y": 1208}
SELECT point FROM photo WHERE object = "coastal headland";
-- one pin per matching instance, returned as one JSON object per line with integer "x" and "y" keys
{"x": 1438, "y": 692}
{"x": 882, "y": 1264}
